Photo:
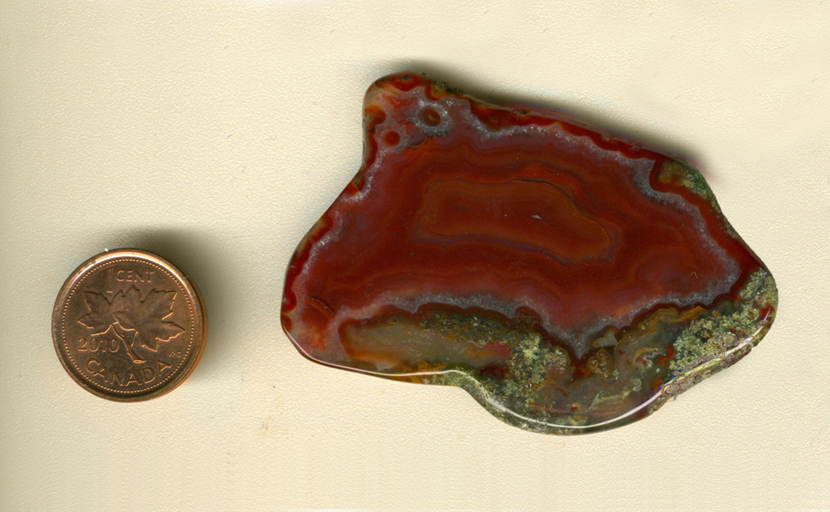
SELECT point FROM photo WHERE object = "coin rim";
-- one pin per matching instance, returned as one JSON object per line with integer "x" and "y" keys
{"x": 200, "y": 329}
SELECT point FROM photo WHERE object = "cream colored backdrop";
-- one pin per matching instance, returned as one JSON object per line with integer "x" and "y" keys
{"x": 216, "y": 132}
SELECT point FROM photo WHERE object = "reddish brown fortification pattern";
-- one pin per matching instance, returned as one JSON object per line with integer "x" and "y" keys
{"x": 568, "y": 279}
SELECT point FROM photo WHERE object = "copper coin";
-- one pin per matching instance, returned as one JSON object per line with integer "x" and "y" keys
{"x": 128, "y": 325}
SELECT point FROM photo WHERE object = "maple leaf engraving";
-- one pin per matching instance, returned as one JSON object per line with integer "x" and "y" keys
{"x": 100, "y": 315}
{"x": 146, "y": 317}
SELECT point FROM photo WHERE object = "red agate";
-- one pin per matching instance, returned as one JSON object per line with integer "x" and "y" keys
{"x": 568, "y": 279}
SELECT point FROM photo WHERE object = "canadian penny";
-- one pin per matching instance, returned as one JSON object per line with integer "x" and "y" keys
{"x": 129, "y": 325}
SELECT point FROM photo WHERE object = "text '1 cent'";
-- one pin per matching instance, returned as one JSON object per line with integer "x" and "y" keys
{"x": 128, "y": 325}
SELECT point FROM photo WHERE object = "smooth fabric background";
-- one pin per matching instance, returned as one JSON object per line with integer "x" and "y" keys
{"x": 216, "y": 132}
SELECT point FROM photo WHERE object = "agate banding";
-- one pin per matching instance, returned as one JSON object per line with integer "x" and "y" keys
{"x": 569, "y": 279}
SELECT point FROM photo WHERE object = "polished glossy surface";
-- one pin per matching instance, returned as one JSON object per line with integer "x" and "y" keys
{"x": 568, "y": 279}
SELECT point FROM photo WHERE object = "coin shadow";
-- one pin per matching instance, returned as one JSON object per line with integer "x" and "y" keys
{"x": 194, "y": 253}
{"x": 473, "y": 86}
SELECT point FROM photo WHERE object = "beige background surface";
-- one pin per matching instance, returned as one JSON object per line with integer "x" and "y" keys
{"x": 216, "y": 133}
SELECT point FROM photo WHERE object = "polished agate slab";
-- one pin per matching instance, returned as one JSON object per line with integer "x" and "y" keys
{"x": 568, "y": 279}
